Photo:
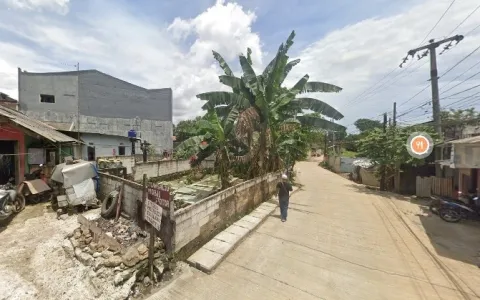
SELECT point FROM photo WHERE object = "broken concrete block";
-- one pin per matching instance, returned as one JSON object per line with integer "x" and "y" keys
{"x": 121, "y": 277}
{"x": 133, "y": 256}
{"x": 113, "y": 261}
{"x": 85, "y": 258}
{"x": 68, "y": 248}
{"x": 142, "y": 249}
{"x": 107, "y": 254}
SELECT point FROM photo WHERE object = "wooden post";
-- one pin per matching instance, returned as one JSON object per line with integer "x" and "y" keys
{"x": 152, "y": 229}
{"x": 119, "y": 201}
{"x": 151, "y": 250}
{"x": 170, "y": 248}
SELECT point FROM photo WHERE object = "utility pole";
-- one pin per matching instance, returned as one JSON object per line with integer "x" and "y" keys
{"x": 396, "y": 178}
{"x": 383, "y": 170}
{"x": 325, "y": 147}
{"x": 78, "y": 107}
{"x": 333, "y": 141}
{"x": 394, "y": 114}
{"x": 431, "y": 48}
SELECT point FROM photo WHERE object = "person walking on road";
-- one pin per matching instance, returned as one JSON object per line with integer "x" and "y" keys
{"x": 284, "y": 188}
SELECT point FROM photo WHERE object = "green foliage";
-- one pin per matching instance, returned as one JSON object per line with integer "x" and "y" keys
{"x": 390, "y": 148}
{"x": 186, "y": 129}
{"x": 260, "y": 124}
{"x": 151, "y": 151}
{"x": 364, "y": 125}
{"x": 324, "y": 164}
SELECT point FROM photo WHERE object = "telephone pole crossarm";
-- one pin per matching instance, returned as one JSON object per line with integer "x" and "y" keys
{"x": 457, "y": 38}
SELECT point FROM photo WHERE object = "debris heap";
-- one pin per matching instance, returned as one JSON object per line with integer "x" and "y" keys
{"x": 117, "y": 253}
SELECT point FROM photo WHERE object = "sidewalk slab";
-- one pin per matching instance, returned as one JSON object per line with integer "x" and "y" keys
{"x": 211, "y": 254}
{"x": 228, "y": 237}
{"x": 218, "y": 246}
{"x": 237, "y": 230}
{"x": 246, "y": 224}
{"x": 205, "y": 260}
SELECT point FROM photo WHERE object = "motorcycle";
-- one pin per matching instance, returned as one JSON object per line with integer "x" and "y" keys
{"x": 35, "y": 189}
{"x": 455, "y": 211}
{"x": 37, "y": 174}
{"x": 10, "y": 201}
{"x": 439, "y": 201}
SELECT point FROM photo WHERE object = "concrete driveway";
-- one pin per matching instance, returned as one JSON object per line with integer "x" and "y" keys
{"x": 339, "y": 243}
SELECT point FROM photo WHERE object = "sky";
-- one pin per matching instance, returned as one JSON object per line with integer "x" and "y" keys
{"x": 357, "y": 45}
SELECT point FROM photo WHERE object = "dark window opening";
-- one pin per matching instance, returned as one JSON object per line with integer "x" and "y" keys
{"x": 121, "y": 150}
{"x": 47, "y": 98}
{"x": 91, "y": 153}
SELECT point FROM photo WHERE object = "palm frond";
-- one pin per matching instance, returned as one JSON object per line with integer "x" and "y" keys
{"x": 222, "y": 98}
{"x": 320, "y": 87}
{"x": 223, "y": 64}
{"x": 319, "y": 107}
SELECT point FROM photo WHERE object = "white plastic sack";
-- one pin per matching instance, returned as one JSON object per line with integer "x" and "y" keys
{"x": 84, "y": 193}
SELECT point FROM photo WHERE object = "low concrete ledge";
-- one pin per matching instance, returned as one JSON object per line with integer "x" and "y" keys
{"x": 208, "y": 257}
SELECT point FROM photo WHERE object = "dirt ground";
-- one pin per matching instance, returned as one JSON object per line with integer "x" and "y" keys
{"x": 455, "y": 245}
{"x": 33, "y": 264}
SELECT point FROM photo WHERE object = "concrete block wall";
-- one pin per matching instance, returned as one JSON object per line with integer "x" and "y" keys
{"x": 163, "y": 167}
{"x": 127, "y": 161}
{"x": 197, "y": 223}
{"x": 132, "y": 191}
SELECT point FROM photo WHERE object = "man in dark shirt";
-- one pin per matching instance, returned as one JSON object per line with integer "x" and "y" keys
{"x": 284, "y": 188}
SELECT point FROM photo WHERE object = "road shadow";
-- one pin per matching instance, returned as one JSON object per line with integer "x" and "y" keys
{"x": 457, "y": 241}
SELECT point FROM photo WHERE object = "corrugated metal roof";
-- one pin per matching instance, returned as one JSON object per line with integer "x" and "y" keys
{"x": 470, "y": 140}
{"x": 38, "y": 127}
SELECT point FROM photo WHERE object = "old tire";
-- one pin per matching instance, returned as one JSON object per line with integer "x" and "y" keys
{"x": 109, "y": 205}
{"x": 19, "y": 203}
{"x": 450, "y": 215}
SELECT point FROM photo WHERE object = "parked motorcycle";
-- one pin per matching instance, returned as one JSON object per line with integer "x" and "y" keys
{"x": 10, "y": 201}
{"x": 37, "y": 174}
{"x": 438, "y": 201}
{"x": 455, "y": 211}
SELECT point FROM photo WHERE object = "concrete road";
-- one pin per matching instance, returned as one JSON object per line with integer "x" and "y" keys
{"x": 338, "y": 243}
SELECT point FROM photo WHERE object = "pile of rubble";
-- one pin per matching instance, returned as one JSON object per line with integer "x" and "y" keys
{"x": 117, "y": 253}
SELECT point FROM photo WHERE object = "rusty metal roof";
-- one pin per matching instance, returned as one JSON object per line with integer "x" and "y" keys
{"x": 470, "y": 140}
{"x": 35, "y": 126}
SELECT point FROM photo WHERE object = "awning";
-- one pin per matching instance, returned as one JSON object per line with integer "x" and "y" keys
{"x": 35, "y": 126}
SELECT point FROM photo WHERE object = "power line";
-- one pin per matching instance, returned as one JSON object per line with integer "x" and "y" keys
{"x": 463, "y": 91}
{"x": 473, "y": 66}
{"x": 411, "y": 98}
{"x": 436, "y": 24}
{"x": 467, "y": 56}
{"x": 469, "y": 15}
{"x": 461, "y": 82}
{"x": 478, "y": 26}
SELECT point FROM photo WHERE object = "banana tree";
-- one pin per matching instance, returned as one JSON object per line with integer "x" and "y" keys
{"x": 216, "y": 137}
{"x": 273, "y": 104}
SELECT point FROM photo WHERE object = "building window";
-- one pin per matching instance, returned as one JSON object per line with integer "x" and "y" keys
{"x": 121, "y": 150}
{"x": 47, "y": 98}
{"x": 90, "y": 153}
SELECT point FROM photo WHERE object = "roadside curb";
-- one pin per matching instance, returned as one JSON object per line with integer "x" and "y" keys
{"x": 210, "y": 255}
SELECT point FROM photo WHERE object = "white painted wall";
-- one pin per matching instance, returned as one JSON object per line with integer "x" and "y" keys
{"x": 105, "y": 145}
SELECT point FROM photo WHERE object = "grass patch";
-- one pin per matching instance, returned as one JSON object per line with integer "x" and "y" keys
{"x": 350, "y": 154}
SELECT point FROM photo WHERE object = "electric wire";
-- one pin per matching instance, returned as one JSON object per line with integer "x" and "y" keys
{"x": 469, "y": 15}
{"x": 436, "y": 24}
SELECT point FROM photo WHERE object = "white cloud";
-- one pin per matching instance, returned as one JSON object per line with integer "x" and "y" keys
{"x": 58, "y": 6}
{"x": 225, "y": 28}
{"x": 359, "y": 55}
{"x": 133, "y": 48}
